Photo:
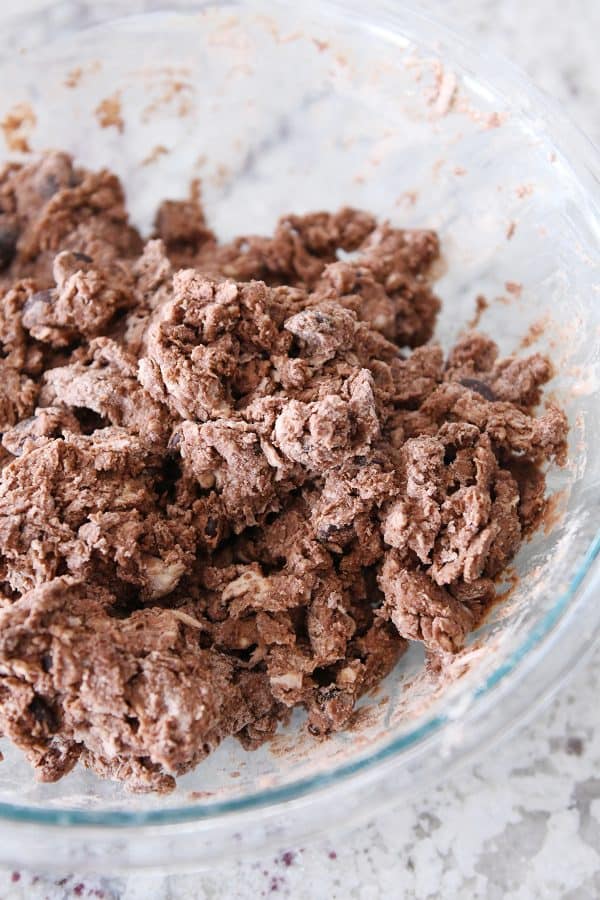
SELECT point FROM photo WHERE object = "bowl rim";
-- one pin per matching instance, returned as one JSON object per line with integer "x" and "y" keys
{"x": 384, "y": 18}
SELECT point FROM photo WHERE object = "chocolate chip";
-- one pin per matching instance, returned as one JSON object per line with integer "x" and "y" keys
{"x": 89, "y": 420}
{"x": 82, "y": 257}
{"x": 574, "y": 746}
{"x": 43, "y": 713}
{"x": 211, "y": 527}
{"x": 9, "y": 236}
{"x": 480, "y": 387}
{"x": 450, "y": 454}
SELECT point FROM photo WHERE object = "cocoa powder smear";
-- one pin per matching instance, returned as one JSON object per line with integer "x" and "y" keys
{"x": 237, "y": 478}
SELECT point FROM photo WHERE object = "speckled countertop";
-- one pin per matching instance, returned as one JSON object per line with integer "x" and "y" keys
{"x": 523, "y": 823}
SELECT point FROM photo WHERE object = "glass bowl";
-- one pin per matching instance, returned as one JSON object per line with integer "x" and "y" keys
{"x": 280, "y": 106}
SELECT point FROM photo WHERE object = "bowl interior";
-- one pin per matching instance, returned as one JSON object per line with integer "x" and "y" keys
{"x": 278, "y": 109}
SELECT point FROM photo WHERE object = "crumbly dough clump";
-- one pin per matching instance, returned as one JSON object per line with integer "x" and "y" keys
{"x": 236, "y": 478}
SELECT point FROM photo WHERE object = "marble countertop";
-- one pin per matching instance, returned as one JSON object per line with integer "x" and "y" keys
{"x": 543, "y": 838}
{"x": 542, "y": 841}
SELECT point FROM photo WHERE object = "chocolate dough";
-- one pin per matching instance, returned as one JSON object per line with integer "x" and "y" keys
{"x": 236, "y": 477}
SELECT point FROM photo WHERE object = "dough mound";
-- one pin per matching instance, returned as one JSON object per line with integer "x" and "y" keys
{"x": 236, "y": 478}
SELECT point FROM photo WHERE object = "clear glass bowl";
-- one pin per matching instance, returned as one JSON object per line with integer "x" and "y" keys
{"x": 281, "y": 106}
